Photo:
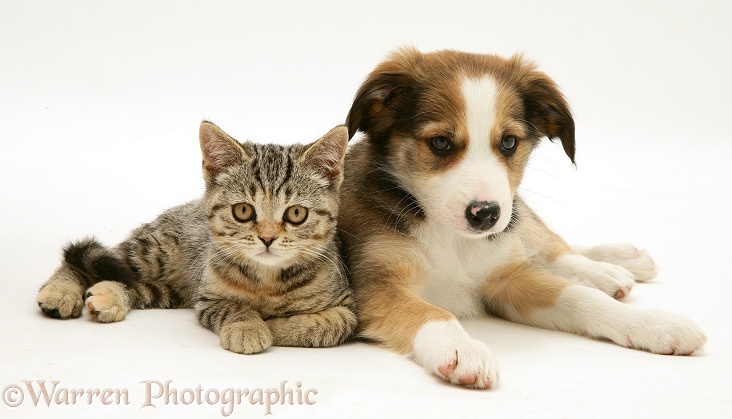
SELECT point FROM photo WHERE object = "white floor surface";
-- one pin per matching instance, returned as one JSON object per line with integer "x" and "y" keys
{"x": 99, "y": 110}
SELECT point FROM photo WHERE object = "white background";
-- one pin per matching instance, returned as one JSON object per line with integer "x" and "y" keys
{"x": 100, "y": 103}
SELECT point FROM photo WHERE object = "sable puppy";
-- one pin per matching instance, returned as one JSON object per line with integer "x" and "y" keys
{"x": 435, "y": 230}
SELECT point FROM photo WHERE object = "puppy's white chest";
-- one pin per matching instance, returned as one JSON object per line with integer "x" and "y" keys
{"x": 456, "y": 267}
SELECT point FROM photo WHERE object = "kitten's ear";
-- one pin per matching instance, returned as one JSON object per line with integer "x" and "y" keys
{"x": 326, "y": 155}
{"x": 219, "y": 150}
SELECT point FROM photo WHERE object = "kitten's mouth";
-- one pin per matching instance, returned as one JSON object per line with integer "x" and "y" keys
{"x": 268, "y": 257}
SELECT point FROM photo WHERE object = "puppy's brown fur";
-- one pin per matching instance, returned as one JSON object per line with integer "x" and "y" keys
{"x": 406, "y": 100}
{"x": 395, "y": 232}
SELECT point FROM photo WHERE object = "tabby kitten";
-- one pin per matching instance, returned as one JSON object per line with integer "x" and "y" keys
{"x": 258, "y": 257}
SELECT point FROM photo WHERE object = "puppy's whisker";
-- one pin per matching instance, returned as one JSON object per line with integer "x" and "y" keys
{"x": 522, "y": 190}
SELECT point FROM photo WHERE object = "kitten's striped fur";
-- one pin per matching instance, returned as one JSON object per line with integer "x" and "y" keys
{"x": 272, "y": 279}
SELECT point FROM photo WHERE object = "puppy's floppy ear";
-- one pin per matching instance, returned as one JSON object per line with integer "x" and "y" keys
{"x": 374, "y": 109}
{"x": 544, "y": 104}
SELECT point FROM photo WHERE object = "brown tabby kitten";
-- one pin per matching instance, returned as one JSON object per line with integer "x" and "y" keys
{"x": 258, "y": 257}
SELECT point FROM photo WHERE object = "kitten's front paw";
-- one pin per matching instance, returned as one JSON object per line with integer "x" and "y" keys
{"x": 663, "y": 333}
{"x": 107, "y": 302}
{"x": 613, "y": 280}
{"x": 327, "y": 328}
{"x": 61, "y": 299}
{"x": 638, "y": 262}
{"x": 246, "y": 337}
{"x": 445, "y": 350}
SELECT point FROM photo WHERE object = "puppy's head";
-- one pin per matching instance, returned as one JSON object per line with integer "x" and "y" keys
{"x": 456, "y": 130}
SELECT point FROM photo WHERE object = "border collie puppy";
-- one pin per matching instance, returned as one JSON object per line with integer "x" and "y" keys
{"x": 435, "y": 230}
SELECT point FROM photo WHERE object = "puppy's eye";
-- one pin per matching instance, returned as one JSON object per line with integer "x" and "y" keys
{"x": 440, "y": 145}
{"x": 243, "y": 212}
{"x": 296, "y": 214}
{"x": 508, "y": 145}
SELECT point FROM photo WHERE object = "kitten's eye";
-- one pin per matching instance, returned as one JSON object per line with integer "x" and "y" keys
{"x": 296, "y": 214}
{"x": 440, "y": 145}
{"x": 243, "y": 212}
{"x": 508, "y": 145}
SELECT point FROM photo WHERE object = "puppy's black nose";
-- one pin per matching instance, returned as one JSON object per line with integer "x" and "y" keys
{"x": 482, "y": 215}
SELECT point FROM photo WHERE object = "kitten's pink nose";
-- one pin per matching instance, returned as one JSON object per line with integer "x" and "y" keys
{"x": 267, "y": 240}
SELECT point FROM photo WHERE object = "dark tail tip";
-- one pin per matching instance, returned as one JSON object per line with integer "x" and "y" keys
{"x": 98, "y": 262}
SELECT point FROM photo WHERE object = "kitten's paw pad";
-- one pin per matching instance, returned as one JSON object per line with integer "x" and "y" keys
{"x": 613, "y": 280}
{"x": 61, "y": 300}
{"x": 247, "y": 337}
{"x": 663, "y": 333}
{"x": 107, "y": 302}
{"x": 638, "y": 262}
{"x": 454, "y": 356}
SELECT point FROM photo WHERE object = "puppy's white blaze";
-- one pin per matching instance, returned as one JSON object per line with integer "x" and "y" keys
{"x": 480, "y": 176}
{"x": 480, "y": 107}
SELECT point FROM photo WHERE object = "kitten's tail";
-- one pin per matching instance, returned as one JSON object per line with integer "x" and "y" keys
{"x": 98, "y": 263}
{"x": 86, "y": 263}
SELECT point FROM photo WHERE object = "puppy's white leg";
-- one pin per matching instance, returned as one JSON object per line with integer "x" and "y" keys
{"x": 613, "y": 280}
{"x": 528, "y": 295}
{"x": 445, "y": 349}
{"x": 587, "y": 311}
{"x": 402, "y": 321}
{"x": 610, "y": 268}
{"x": 638, "y": 262}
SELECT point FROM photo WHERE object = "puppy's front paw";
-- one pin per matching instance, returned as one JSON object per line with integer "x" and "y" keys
{"x": 446, "y": 350}
{"x": 246, "y": 337}
{"x": 107, "y": 302}
{"x": 664, "y": 333}
{"x": 613, "y": 280}
{"x": 638, "y": 262}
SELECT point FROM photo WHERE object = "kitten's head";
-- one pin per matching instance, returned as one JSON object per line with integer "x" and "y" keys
{"x": 271, "y": 204}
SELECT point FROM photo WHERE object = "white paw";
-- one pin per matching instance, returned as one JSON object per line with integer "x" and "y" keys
{"x": 661, "y": 332}
{"x": 613, "y": 280}
{"x": 444, "y": 349}
{"x": 638, "y": 262}
{"x": 107, "y": 302}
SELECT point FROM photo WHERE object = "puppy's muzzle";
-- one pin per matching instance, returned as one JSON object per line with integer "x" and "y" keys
{"x": 482, "y": 215}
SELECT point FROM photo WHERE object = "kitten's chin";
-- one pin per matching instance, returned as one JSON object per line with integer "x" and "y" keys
{"x": 269, "y": 258}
